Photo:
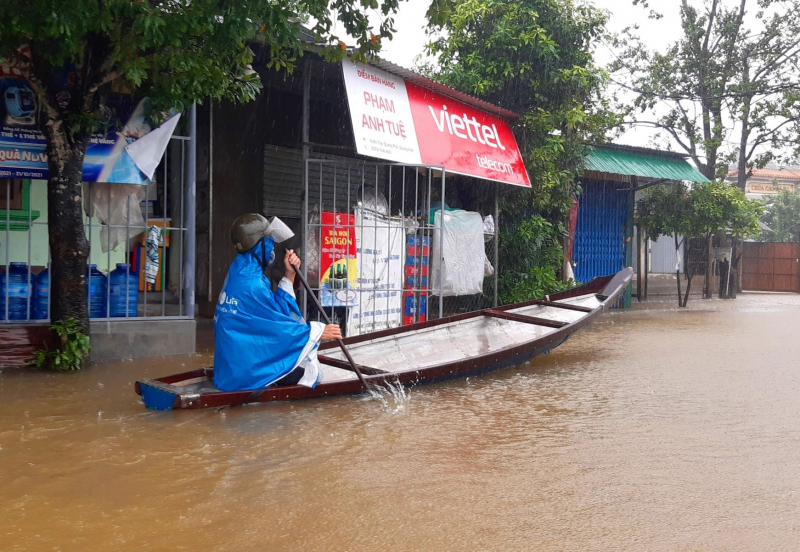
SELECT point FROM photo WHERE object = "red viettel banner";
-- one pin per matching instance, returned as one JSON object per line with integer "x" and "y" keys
{"x": 402, "y": 122}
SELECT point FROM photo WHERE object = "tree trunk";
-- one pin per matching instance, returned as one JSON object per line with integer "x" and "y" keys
{"x": 678, "y": 267}
{"x": 639, "y": 263}
{"x": 689, "y": 274}
{"x": 709, "y": 268}
{"x": 646, "y": 263}
{"x": 69, "y": 248}
{"x": 736, "y": 257}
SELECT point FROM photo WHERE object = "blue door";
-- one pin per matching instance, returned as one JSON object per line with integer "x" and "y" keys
{"x": 600, "y": 232}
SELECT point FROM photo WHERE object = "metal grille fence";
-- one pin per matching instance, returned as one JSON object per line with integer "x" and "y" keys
{"x": 374, "y": 244}
{"x": 115, "y": 280}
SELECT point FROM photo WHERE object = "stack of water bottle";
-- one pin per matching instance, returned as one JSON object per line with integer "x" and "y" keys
{"x": 115, "y": 295}
{"x": 415, "y": 298}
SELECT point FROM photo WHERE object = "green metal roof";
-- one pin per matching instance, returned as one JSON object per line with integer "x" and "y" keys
{"x": 640, "y": 162}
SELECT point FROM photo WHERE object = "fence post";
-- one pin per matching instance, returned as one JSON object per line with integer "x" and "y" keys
{"x": 189, "y": 210}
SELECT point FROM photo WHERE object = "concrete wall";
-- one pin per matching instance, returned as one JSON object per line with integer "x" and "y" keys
{"x": 142, "y": 338}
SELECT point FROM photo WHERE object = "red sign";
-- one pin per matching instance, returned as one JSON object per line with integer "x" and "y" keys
{"x": 399, "y": 121}
{"x": 338, "y": 264}
{"x": 464, "y": 139}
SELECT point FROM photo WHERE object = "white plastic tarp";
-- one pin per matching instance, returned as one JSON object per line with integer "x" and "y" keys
{"x": 462, "y": 249}
{"x": 147, "y": 151}
{"x": 380, "y": 273}
{"x": 118, "y": 208}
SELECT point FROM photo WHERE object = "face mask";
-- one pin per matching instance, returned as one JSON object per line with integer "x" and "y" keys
{"x": 260, "y": 252}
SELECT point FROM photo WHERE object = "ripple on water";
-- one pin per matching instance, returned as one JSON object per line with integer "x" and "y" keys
{"x": 650, "y": 430}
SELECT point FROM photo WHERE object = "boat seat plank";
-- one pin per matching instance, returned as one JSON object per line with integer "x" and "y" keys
{"x": 345, "y": 365}
{"x": 566, "y": 306}
{"x": 527, "y": 319}
{"x": 191, "y": 381}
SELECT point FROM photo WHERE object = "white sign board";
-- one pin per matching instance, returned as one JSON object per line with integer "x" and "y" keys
{"x": 381, "y": 114}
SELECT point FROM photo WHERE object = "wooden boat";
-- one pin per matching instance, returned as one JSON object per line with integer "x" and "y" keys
{"x": 429, "y": 351}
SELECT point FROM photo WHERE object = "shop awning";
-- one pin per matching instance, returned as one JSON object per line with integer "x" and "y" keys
{"x": 641, "y": 162}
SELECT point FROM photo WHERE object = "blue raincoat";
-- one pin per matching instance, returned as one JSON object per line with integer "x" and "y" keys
{"x": 259, "y": 335}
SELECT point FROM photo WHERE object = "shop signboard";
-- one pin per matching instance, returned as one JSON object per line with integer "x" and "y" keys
{"x": 338, "y": 261}
{"x": 23, "y": 146}
{"x": 406, "y": 123}
{"x": 768, "y": 187}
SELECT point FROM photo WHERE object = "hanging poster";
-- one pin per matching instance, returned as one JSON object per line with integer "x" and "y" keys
{"x": 380, "y": 268}
{"x": 23, "y": 146}
{"x": 338, "y": 263}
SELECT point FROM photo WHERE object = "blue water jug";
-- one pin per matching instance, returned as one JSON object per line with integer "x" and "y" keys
{"x": 123, "y": 289}
{"x": 41, "y": 296}
{"x": 17, "y": 283}
{"x": 96, "y": 287}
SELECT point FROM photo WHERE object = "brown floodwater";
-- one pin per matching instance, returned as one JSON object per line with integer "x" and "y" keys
{"x": 650, "y": 430}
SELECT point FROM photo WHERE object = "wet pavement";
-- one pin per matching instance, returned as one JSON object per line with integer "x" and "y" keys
{"x": 658, "y": 429}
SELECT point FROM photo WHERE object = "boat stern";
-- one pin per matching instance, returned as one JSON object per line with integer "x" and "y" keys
{"x": 157, "y": 395}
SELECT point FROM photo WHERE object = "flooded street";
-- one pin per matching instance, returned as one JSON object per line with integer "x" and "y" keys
{"x": 650, "y": 430}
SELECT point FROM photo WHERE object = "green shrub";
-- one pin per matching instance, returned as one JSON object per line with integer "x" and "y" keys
{"x": 72, "y": 348}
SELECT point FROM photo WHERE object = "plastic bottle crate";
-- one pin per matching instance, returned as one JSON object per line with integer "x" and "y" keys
{"x": 417, "y": 251}
{"x": 419, "y": 270}
{"x": 418, "y": 240}
{"x": 414, "y": 303}
{"x": 416, "y": 282}
{"x": 414, "y": 260}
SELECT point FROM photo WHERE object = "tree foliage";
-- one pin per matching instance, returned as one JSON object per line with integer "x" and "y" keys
{"x": 535, "y": 246}
{"x": 700, "y": 212}
{"x": 533, "y": 57}
{"x": 727, "y": 90}
{"x": 175, "y": 53}
{"x": 782, "y": 216}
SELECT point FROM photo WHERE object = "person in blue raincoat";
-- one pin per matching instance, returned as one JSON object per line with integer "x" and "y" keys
{"x": 260, "y": 336}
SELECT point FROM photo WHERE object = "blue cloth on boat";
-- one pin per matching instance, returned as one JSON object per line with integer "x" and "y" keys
{"x": 259, "y": 334}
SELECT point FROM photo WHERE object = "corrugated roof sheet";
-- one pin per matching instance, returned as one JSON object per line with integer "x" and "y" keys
{"x": 425, "y": 82}
{"x": 421, "y": 80}
{"x": 641, "y": 162}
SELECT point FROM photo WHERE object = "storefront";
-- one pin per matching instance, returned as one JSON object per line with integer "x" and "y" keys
{"x": 605, "y": 237}
{"x": 138, "y": 180}
{"x": 359, "y": 161}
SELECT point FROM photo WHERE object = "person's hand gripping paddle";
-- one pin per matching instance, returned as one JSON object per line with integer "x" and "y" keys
{"x": 295, "y": 267}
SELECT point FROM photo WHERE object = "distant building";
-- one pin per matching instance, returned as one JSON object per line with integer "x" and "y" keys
{"x": 766, "y": 182}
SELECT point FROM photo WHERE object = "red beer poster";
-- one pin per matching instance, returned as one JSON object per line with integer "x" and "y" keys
{"x": 338, "y": 263}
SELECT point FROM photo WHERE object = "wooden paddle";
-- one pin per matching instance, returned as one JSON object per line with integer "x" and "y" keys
{"x": 328, "y": 321}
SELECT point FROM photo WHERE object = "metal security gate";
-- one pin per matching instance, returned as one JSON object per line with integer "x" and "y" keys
{"x": 369, "y": 243}
{"x": 117, "y": 221}
{"x": 374, "y": 243}
{"x": 600, "y": 232}
{"x": 771, "y": 267}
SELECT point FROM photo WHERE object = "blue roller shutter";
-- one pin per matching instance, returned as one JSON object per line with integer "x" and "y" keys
{"x": 600, "y": 232}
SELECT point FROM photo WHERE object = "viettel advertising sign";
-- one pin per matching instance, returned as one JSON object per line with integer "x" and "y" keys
{"x": 402, "y": 122}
